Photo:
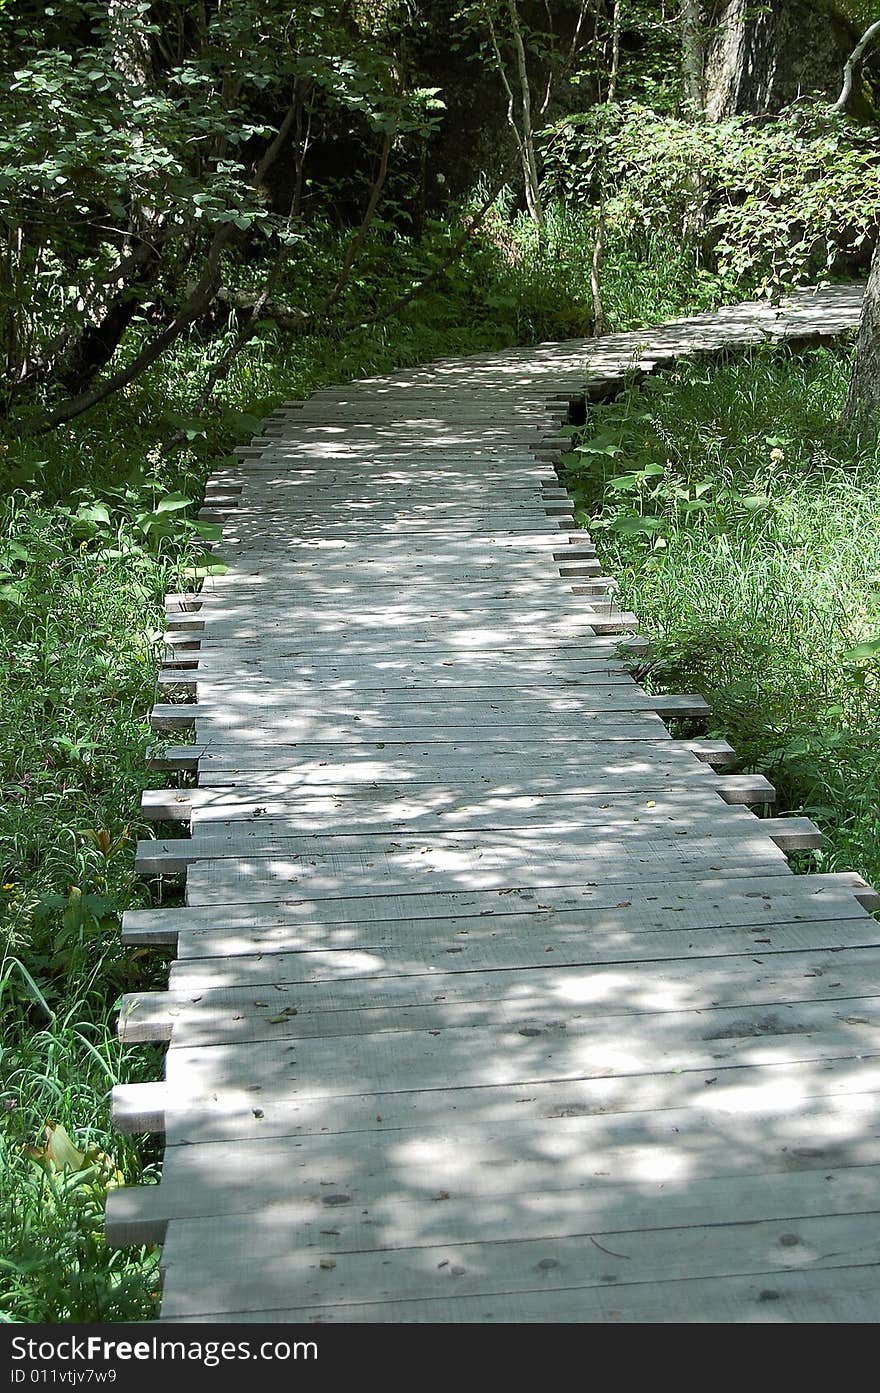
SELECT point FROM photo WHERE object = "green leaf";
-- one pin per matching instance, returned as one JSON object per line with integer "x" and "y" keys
{"x": 632, "y": 524}
{"x": 207, "y": 567}
{"x": 93, "y": 512}
{"x": 863, "y": 651}
{"x": 173, "y": 503}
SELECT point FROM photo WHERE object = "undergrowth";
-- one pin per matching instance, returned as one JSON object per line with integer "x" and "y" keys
{"x": 743, "y": 523}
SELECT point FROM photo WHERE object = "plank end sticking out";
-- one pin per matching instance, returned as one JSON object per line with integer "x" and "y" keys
{"x": 136, "y": 1108}
{"x": 134, "y": 1215}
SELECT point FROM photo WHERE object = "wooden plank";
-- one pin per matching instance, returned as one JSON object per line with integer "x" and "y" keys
{"x": 311, "y": 738}
{"x": 484, "y": 1164}
{"x": 273, "y": 963}
{"x": 401, "y": 807}
{"x": 369, "y": 612}
{"x": 533, "y": 767}
{"x": 269, "y": 879}
{"x": 838, "y": 1295}
{"x": 449, "y": 589}
{"x": 570, "y": 616}
{"x": 420, "y": 593}
{"x": 733, "y": 1091}
{"x": 568, "y": 668}
{"x": 279, "y": 498}
{"x": 512, "y": 996}
{"x": 503, "y": 867}
{"x": 297, "y": 923}
{"x": 516, "y": 830}
{"x": 226, "y": 715}
{"x": 498, "y": 1270}
{"x": 256, "y": 678}
{"x": 494, "y": 859}
{"x": 331, "y": 1069}
{"x": 368, "y": 645}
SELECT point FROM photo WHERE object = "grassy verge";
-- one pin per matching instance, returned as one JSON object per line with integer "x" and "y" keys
{"x": 744, "y": 526}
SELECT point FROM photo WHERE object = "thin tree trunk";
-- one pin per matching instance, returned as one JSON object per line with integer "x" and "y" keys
{"x": 692, "y": 56}
{"x": 257, "y": 306}
{"x": 693, "y": 69}
{"x": 854, "y": 63}
{"x": 109, "y": 303}
{"x": 530, "y": 160}
{"x": 360, "y": 236}
{"x": 599, "y": 322}
{"x": 101, "y": 337}
{"x": 863, "y": 399}
{"x": 458, "y": 248}
{"x": 596, "y": 269}
{"x": 511, "y": 117}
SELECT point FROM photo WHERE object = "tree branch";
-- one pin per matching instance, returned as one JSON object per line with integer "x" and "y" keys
{"x": 853, "y": 63}
{"x": 359, "y": 238}
{"x": 194, "y": 306}
{"x": 472, "y": 224}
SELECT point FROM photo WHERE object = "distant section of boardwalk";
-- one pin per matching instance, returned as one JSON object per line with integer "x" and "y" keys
{"x": 492, "y": 1000}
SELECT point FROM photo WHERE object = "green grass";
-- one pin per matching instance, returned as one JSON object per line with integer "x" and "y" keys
{"x": 744, "y": 526}
{"x": 77, "y": 672}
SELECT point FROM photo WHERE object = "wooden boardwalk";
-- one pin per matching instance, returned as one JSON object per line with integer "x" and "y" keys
{"x": 492, "y": 1001}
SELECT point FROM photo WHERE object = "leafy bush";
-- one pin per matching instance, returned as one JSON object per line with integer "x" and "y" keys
{"x": 784, "y": 200}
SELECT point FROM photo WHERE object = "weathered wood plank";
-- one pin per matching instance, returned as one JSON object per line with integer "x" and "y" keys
{"x": 530, "y": 1266}
{"x": 532, "y": 767}
{"x": 839, "y": 1295}
{"x": 311, "y": 958}
{"x": 493, "y": 710}
{"x": 463, "y": 804}
{"x": 387, "y": 1002}
{"x": 733, "y": 1090}
{"x": 585, "y": 828}
{"x": 295, "y": 923}
{"x": 448, "y": 868}
{"x": 594, "y": 1159}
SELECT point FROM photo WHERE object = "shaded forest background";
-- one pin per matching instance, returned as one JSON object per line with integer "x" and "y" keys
{"x": 208, "y": 207}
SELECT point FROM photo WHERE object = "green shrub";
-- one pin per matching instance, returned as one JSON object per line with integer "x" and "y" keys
{"x": 784, "y": 199}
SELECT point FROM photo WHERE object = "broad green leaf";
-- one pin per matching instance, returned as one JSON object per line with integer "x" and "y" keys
{"x": 61, "y": 1150}
{"x": 863, "y": 651}
{"x": 631, "y": 524}
{"x": 173, "y": 503}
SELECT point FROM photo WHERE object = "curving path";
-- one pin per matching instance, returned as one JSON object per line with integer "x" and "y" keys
{"x": 492, "y": 1001}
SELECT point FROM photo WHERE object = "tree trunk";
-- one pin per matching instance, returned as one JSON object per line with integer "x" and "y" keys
{"x": 102, "y": 336}
{"x": 529, "y": 157}
{"x": 692, "y": 56}
{"x": 599, "y": 323}
{"x": 848, "y": 100}
{"x": 863, "y": 399}
{"x": 108, "y": 307}
{"x": 196, "y": 304}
